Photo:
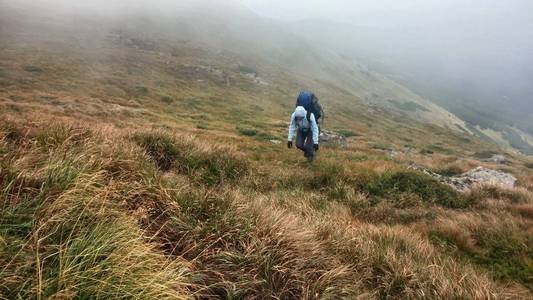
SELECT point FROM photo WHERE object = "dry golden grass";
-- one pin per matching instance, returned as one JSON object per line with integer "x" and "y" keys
{"x": 92, "y": 212}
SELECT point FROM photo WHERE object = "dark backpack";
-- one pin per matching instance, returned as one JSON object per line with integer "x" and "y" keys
{"x": 310, "y": 102}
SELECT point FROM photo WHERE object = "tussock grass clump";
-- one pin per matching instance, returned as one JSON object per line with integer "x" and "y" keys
{"x": 62, "y": 236}
{"x": 346, "y": 133}
{"x": 516, "y": 195}
{"x": 395, "y": 263}
{"x": 161, "y": 148}
{"x": 246, "y": 249}
{"x": 57, "y": 134}
{"x": 167, "y": 99}
{"x": 247, "y": 131}
{"x": 450, "y": 170}
{"x": 207, "y": 164}
{"x": 11, "y": 132}
{"x": 499, "y": 243}
{"x": 325, "y": 176}
{"x": 32, "y": 69}
{"x": 79, "y": 246}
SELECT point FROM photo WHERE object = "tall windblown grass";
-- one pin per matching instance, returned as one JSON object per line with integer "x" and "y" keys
{"x": 107, "y": 213}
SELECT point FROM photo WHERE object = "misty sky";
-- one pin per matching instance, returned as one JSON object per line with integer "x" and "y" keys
{"x": 480, "y": 48}
{"x": 387, "y": 12}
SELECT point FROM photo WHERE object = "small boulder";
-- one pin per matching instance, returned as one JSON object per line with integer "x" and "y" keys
{"x": 497, "y": 158}
{"x": 332, "y": 139}
{"x": 482, "y": 175}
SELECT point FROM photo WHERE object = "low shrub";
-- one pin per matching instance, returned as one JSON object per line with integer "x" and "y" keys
{"x": 247, "y": 131}
{"x": 346, "y": 133}
{"x": 486, "y": 154}
{"x": 395, "y": 185}
{"x": 450, "y": 171}
{"x": 167, "y": 99}
{"x": 379, "y": 146}
{"x": 325, "y": 176}
{"x": 32, "y": 69}
{"x": 248, "y": 70}
{"x": 426, "y": 151}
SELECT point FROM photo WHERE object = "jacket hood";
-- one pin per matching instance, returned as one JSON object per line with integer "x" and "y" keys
{"x": 300, "y": 112}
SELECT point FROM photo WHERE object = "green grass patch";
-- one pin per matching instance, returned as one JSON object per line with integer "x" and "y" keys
{"x": 161, "y": 148}
{"x": 409, "y": 106}
{"x": 449, "y": 171}
{"x": 399, "y": 185}
{"x": 379, "y": 146}
{"x": 247, "y": 131}
{"x": 347, "y": 133}
{"x": 166, "y": 99}
{"x": 32, "y": 69}
{"x": 485, "y": 154}
{"x": 248, "y": 70}
{"x": 211, "y": 166}
{"x": 57, "y": 134}
{"x": 506, "y": 252}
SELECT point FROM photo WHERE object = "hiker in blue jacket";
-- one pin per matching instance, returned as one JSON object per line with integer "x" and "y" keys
{"x": 305, "y": 122}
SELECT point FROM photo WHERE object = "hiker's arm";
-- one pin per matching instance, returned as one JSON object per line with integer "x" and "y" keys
{"x": 292, "y": 129}
{"x": 314, "y": 129}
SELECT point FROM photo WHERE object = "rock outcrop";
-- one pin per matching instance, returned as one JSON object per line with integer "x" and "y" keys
{"x": 474, "y": 177}
{"x": 332, "y": 139}
{"x": 497, "y": 158}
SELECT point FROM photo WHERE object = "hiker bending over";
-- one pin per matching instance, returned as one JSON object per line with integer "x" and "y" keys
{"x": 305, "y": 122}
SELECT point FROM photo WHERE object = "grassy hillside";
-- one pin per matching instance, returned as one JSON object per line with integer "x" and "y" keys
{"x": 102, "y": 212}
{"x": 135, "y": 165}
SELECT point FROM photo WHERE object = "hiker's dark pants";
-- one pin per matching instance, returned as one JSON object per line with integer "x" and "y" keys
{"x": 304, "y": 142}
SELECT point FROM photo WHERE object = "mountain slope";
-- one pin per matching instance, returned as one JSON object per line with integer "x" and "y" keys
{"x": 139, "y": 163}
{"x": 451, "y": 63}
{"x": 139, "y": 57}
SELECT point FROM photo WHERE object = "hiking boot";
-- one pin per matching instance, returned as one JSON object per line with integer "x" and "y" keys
{"x": 310, "y": 159}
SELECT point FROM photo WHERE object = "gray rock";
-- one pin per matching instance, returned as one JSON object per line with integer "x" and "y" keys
{"x": 393, "y": 153}
{"x": 482, "y": 175}
{"x": 332, "y": 139}
{"x": 497, "y": 158}
{"x": 472, "y": 178}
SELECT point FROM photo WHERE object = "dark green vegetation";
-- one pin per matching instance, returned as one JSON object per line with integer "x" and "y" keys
{"x": 347, "y": 133}
{"x": 398, "y": 185}
{"x": 408, "y": 106}
{"x": 32, "y": 69}
{"x": 211, "y": 165}
{"x": 167, "y": 99}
